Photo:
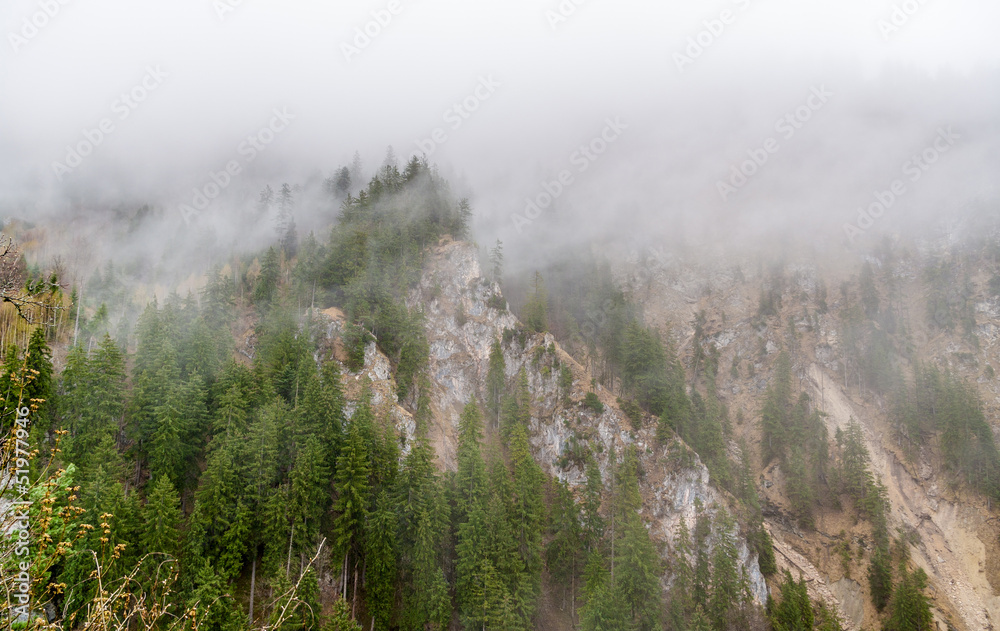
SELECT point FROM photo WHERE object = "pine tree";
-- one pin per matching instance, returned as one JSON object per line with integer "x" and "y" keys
{"x": 593, "y": 523}
{"x": 562, "y": 554}
{"x": 267, "y": 282}
{"x": 528, "y": 518}
{"x": 470, "y": 478}
{"x": 535, "y": 310}
{"x": 910, "y": 609}
{"x": 637, "y": 574}
{"x": 38, "y": 363}
{"x": 309, "y": 495}
{"x": 470, "y": 564}
{"x": 161, "y": 517}
{"x": 496, "y": 262}
{"x": 93, "y": 400}
{"x": 422, "y": 518}
{"x": 727, "y": 592}
{"x": 351, "y": 484}
{"x": 380, "y": 562}
{"x": 495, "y": 381}
{"x": 774, "y": 415}
{"x": 604, "y": 607}
{"x": 793, "y": 612}
{"x": 681, "y": 606}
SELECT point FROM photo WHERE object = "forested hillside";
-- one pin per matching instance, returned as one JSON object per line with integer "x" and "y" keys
{"x": 352, "y": 430}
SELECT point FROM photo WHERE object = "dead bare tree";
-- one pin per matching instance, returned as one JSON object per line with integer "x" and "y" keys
{"x": 14, "y": 288}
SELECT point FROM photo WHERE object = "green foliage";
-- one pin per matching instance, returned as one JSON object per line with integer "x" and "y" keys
{"x": 757, "y": 536}
{"x": 712, "y": 592}
{"x": 265, "y": 288}
{"x": 535, "y": 311}
{"x": 161, "y": 517}
{"x": 880, "y": 577}
{"x": 93, "y": 401}
{"x": 356, "y": 338}
{"x": 941, "y": 402}
{"x": 794, "y": 612}
{"x": 564, "y": 553}
{"x": 380, "y": 556}
{"x": 797, "y": 437}
{"x": 351, "y": 484}
{"x": 593, "y": 403}
{"x": 632, "y": 411}
{"x": 565, "y": 383}
{"x": 496, "y": 380}
{"x": 496, "y": 262}
{"x": 910, "y": 609}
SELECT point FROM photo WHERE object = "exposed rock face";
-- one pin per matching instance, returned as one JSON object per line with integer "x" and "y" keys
{"x": 459, "y": 363}
{"x": 958, "y": 546}
{"x": 376, "y": 375}
{"x": 948, "y": 549}
{"x": 852, "y": 600}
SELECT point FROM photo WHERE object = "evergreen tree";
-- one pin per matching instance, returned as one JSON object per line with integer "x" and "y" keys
{"x": 421, "y": 524}
{"x": 267, "y": 282}
{"x": 470, "y": 478}
{"x": 528, "y": 518}
{"x": 681, "y": 606}
{"x": 910, "y": 610}
{"x": 727, "y": 590}
{"x": 380, "y": 562}
{"x": 794, "y": 611}
{"x": 535, "y": 312}
{"x": 605, "y": 606}
{"x": 562, "y": 554}
{"x": 496, "y": 262}
{"x": 351, "y": 484}
{"x": 774, "y": 415}
{"x": 161, "y": 517}
{"x": 495, "y": 381}
{"x": 593, "y": 523}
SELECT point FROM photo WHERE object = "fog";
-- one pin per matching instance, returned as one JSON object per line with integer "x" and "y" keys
{"x": 719, "y": 125}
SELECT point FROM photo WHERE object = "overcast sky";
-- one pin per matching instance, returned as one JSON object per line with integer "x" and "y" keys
{"x": 551, "y": 76}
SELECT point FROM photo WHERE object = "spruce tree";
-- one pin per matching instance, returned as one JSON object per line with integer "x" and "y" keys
{"x": 161, "y": 517}
{"x": 380, "y": 562}
{"x": 496, "y": 381}
{"x": 352, "y": 489}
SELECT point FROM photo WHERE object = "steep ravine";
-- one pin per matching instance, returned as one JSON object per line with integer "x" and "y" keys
{"x": 949, "y": 550}
{"x": 958, "y": 541}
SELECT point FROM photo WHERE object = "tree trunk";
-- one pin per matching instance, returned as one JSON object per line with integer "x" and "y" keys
{"x": 253, "y": 584}
{"x": 354, "y": 596}
{"x": 343, "y": 578}
{"x": 288, "y": 565}
{"x": 572, "y": 595}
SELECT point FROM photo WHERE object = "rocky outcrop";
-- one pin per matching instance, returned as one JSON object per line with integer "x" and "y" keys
{"x": 463, "y": 320}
